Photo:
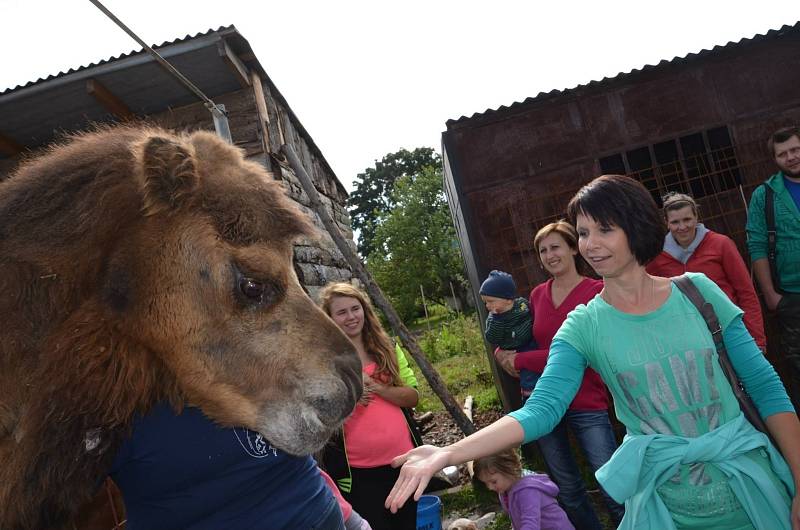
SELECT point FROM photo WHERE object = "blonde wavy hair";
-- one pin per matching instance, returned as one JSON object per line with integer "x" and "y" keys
{"x": 376, "y": 340}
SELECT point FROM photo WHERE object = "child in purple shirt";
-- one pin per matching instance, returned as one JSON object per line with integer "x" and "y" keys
{"x": 529, "y": 499}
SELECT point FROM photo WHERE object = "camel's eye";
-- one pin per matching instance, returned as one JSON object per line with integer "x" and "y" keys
{"x": 252, "y": 289}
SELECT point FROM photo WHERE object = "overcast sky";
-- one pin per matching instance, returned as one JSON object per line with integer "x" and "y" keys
{"x": 369, "y": 77}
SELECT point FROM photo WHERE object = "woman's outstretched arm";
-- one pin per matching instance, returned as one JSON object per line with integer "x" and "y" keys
{"x": 420, "y": 464}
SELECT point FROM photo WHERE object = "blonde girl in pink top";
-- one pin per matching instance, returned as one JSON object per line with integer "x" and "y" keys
{"x": 377, "y": 431}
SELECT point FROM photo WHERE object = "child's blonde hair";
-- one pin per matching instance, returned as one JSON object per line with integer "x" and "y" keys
{"x": 506, "y": 463}
{"x": 376, "y": 341}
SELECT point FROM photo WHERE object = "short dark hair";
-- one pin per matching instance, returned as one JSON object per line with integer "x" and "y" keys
{"x": 780, "y": 136}
{"x": 622, "y": 201}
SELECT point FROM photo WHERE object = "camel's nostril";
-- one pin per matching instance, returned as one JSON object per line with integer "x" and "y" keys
{"x": 326, "y": 407}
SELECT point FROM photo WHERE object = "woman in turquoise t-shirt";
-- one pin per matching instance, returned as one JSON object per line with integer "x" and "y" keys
{"x": 690, "y": 459}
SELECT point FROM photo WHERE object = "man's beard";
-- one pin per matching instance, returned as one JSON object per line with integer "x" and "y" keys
{"x": 794, "y": 174}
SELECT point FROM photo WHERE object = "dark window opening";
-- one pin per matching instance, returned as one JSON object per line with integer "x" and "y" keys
{"x": 724, "y": 157}
{"x": 641, "y": 168}
{"x": 700, "y": 164}
{"x": 697, "y": 164}
{"x": 669, "y": 164}
{"x": 612, "y": 165}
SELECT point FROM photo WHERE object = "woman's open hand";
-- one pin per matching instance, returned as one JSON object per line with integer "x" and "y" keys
{"x": 419, "y": 465}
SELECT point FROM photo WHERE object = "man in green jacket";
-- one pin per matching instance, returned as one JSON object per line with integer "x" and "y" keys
{"x": 781, "y": 291}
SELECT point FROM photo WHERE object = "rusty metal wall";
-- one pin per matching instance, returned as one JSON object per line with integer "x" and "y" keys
{"x": 517, "y": 168}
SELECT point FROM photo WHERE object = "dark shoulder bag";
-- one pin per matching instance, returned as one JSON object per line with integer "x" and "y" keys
{"x": 772, "y": 237}
{"x": 413, "y": 426}
{"x": 688, "y": 288}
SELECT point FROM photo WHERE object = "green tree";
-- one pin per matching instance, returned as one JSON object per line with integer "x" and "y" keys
{"x": 415, "y": 245}
{"x": 372, "y": 196}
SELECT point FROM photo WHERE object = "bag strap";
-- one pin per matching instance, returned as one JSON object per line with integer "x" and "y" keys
{"x": 688, "y": 288}
{"x": 772, "y": 236}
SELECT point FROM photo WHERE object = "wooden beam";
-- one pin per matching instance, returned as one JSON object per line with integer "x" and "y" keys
{"x": 261, "y": 108}
{"x": 273, "y": 117}
{"x": 9, "y": 146}
{"x": 240, "y": 71}
{"x": 108, "y": 100}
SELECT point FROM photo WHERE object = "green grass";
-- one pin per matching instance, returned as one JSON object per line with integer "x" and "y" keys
{"x": 468, "y": 374}
{"x": 470, "y": 500}
{"x": 437, "y": 315}
{"x": 459, "y": 334}
{"x": 502, "y": 522}
{"x": 454, "y": 346}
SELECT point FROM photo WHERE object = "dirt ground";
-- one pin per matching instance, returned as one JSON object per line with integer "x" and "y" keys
{"x": 441, "y": 430}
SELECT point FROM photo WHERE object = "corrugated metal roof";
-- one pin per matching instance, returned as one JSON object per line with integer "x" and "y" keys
{"x": 626, "y": 76}
{"x": 132, "y": 53}
{"x": 39, "y": 110}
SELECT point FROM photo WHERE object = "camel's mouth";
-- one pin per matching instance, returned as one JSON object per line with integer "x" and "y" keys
{"x": 298, "y": 430}
{"x": 303, "y": 424}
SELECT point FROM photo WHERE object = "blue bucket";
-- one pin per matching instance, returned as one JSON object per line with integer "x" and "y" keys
{"x": 429, "y": 513}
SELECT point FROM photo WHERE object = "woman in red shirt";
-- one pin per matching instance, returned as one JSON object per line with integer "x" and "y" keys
{"x": 557, "y": 248}
{"x": 691, "y": 247}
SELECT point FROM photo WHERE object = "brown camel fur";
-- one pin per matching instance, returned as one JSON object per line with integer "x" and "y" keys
{"x": 136, "y": 266}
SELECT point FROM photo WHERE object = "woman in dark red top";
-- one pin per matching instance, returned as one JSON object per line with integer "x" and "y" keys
{"x": 587, "y": 417}
{"x": 691, "y": 247}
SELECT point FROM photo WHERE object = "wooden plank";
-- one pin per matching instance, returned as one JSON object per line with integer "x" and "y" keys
{"x": 285, "y": 129}
{"x": 275, "y": 136}
{"x": 261, "y": 107}
{"x": 468, "y": 413}
{"x": 237, "y": 67}
{"x": 9, "y": 146}
{"x": 108, "y": 100}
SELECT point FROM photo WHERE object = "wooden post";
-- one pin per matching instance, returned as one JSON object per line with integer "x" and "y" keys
{"x": 468, "y": 412}
{"x": 430, "y": 373}
{"x": 425, "y": 307}
{"x": 263, "y": 115}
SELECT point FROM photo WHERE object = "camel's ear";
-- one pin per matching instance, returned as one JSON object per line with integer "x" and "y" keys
{"x": 168, "y": 174}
